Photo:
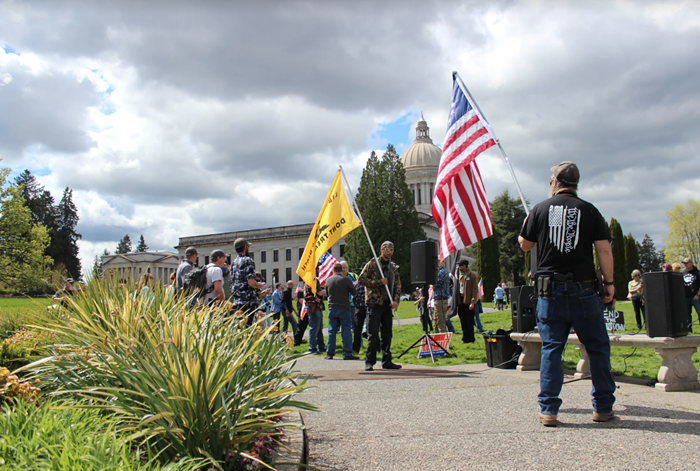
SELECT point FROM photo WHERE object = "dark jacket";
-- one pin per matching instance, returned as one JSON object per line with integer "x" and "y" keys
{"x": 372, "y": 281}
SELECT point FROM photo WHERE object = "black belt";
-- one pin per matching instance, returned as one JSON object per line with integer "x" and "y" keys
{"x": 573, "y": 284}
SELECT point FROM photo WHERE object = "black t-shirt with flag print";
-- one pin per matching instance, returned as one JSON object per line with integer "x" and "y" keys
{"x": 564, "y": 228}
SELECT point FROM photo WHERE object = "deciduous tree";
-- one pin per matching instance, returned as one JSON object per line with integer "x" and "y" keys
{"x": 683, "y": 239}
{"x": 23, "y": 265}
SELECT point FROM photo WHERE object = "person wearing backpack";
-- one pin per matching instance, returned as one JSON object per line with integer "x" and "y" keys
{"x": 186, "y": 266}
{"x": 215, "y": 277}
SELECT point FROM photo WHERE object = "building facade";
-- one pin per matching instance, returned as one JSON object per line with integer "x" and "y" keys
{"x": 130, "y": 266}
{"x": 277, "y": 250}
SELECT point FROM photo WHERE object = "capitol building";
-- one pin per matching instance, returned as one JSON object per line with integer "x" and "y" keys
{"x": 276, "y": 250}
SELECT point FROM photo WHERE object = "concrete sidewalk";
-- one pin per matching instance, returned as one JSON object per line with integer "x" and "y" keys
{"x": 474, "y": 417}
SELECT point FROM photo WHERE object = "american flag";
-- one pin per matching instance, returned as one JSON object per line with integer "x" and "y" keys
{"x": 460, "y": 207}
{"x": 325, "y": 267}
{"x": 481, "y": 288}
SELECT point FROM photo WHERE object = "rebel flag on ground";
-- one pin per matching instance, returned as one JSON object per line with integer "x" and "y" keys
{"x": 460, "y": 207}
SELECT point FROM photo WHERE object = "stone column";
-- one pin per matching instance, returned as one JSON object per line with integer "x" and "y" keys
{"x": 677, "y": 372}
{"x": 583, "y": 368}
{"x": 531, "y": 356}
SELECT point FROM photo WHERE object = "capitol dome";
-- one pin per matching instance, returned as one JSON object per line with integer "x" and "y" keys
{"x": 421, "y": 162}
{"x": 422, "y": 153}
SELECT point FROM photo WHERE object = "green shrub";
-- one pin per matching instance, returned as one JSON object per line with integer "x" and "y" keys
{"x": 22, "y": 346}
{"x": 185, "y": 382}
{"x": 60, "y": 436}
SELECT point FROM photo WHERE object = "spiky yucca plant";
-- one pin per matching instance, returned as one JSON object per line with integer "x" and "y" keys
{"x": 187, "y": 382}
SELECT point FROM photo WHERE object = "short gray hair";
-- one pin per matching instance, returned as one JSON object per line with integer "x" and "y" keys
{"x": 636, "y": 272}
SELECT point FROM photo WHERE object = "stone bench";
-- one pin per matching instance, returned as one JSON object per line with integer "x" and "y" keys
{"x": 677, "y": 372}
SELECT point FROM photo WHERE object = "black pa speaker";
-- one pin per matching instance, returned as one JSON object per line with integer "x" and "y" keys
{"x": 664, "y": 303}
{"x": 523, "y": 304}
{"x": 423, "y": 262}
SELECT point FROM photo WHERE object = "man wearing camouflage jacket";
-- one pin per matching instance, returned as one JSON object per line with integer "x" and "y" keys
{"x": 380, "y": 305}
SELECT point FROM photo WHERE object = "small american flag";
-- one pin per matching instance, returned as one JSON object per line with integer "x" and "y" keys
{"x": 481, "y": 288}
{"x": 325, "y": 267}
{"x": 460, "y": 207}
{"x": 302, "y": 314}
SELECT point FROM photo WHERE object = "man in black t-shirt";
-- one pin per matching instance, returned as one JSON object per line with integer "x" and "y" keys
{"x": 565, "y": 229}
{"x": 691, "y": 277}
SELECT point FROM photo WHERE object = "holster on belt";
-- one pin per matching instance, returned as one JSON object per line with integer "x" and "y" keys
{"x": 544, "y": 286}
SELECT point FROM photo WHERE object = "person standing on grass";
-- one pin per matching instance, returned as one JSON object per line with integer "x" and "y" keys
{"x": 441, "y": 296}
{"x": 636, "y": 291}
{"x": 691, "y": 277}
{"x": 565, "y": 229}
{"x": 288, "y": 309}
{"x": 380, "y": 304}
{"x": 467, "y": 295}
{"x": 498, "y": 294}
{"x": 339, "y": 289}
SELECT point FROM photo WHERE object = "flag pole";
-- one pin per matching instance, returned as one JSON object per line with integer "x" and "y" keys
{"x": 374, "y": 253}
{"x": 490, "y": 130}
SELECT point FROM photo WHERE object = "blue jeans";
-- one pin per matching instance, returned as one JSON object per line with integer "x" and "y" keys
{"x": 315, "y": 326}
{"x": 450, "y": 327}
{"x": 478, "y": 310}
{"x": 289, "y": 320}
{"x": 581, "y": 309}
{"x": 343, "y": 319}
{"x": 691, "y": 303}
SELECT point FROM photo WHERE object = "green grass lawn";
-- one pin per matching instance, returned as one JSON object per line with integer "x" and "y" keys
{"x": 625, "y": 361}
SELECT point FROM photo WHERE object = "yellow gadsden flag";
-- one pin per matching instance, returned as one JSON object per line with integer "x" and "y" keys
{"x": 334, "y": 221}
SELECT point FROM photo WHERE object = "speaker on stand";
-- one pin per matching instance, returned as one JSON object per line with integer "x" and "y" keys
{"x": 423, "y": 262}
{"x": 664, "y": 304}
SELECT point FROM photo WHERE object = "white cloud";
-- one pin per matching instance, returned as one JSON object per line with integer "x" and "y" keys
{"x": 187, "y": 119}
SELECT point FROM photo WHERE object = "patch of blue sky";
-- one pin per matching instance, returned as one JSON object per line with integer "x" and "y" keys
{"x": 9, "y": 49}
{"x": 107, "y": 107}
{"x": 397, "y": 132}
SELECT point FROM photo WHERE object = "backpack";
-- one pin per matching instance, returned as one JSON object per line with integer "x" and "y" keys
{"x": 196, "y": 280}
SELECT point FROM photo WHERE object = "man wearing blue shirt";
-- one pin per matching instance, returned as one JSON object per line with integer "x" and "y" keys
{"x": 441, "y": 294}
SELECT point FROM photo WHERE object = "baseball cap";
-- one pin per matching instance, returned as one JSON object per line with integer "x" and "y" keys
{"x": 566, "y": 172}
{"x": 240, "y": 244}
{"x": 687, "y": 260}
{"x": 190, "y": 251}
{"x": 387, "y": 245}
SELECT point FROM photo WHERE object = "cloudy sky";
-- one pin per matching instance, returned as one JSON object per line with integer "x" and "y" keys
{"x": 185, "y": 118}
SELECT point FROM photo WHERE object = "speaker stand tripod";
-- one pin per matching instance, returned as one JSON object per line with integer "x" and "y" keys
{"x": 431, "y": 342}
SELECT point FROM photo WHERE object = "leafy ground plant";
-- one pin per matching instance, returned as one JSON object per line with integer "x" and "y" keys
{"x": 56, "y": 435}
{"x": 185, "y": 382}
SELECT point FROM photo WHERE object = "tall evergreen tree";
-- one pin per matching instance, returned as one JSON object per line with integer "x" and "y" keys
{"x": 488, "y": 264}
{"x": 631, "y": 255}
{"x": 37, "y": 199}
{"x": 387, "y": 208}
{"x": 124, "y": 245}
{"x": 65, "y": 250}
{"x": 96, "y": 273}
{"x": 650, "y": 259}
{"x": 618, "y": 249}
{"x": 142, "y": 247}
{"x": 507, "y": 215}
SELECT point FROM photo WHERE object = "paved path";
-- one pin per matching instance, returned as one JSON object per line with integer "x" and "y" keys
{"x": 473, "y": 417}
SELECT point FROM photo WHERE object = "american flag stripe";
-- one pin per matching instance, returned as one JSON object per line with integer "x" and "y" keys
{"x": 460, "y": 206}
{"x": 325, "y": 267}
